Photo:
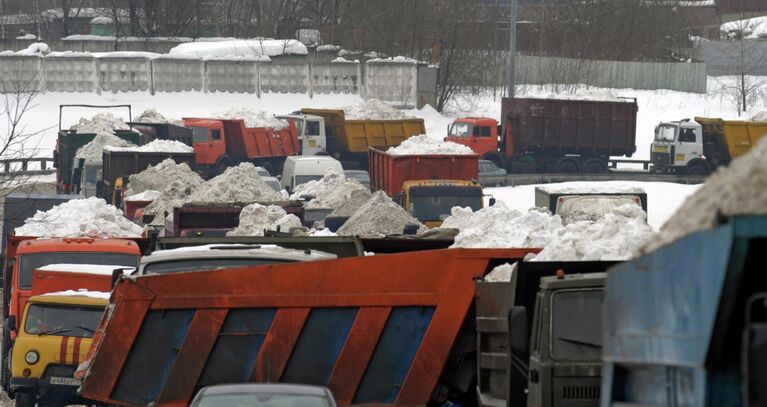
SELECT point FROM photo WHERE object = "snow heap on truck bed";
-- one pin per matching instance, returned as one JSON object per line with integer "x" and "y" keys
{"x": 94, "y": 150}
{"x": 156, "y": 146}
{"x": 429, "y": 144}
{"x": 332, "y": 191}
{"x": 153, "y": 116}
{"x": 254, "y": 218}
{"x": 237, "y": 184}
{"x": 374, "y": 109}
{"x": 615, "y": 187}
{"x": 104, "y": 122}
{"x": 90, "y": 217}
{"x": 160, "y": 176}
{"x": 252, "y": 117}
{"x": 378, "y": 217}
{"x": 739, "y": 189}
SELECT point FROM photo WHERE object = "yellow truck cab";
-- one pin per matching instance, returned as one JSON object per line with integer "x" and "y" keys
{"x": 430, "y": 201}
{"x": 54, "y": 334}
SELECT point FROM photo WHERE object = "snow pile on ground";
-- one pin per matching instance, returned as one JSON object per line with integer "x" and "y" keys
{"x": 498, "y": 226}
{"x": 332, "y": 191}
{"x": 240, "y": 184}
{"x": 615, "y": 236}
{"x": 148, "y": 195}
{"x": 355, "y": 200}
{"x": 175, "y": 195}
{"x": 429, "y": 144}
{"x": 739, "y": 189}
{"x": 80, "y": 217}
{"x": 754, "y": 27}
{"x": 160, "y": 176}
{"x": 239, "y": 48}
{"x": 104, "y": 122}
{"x": 374, "y": 109}
{"x": 378, "y": 217}
{"x": 94, "y": 150}
{"x": 252, "y": 117}
{"x": 254, "y": 218}
{"x": 587, "y": 187}
{"x": 501, "y": 273}
{"x": 156, "y": 146}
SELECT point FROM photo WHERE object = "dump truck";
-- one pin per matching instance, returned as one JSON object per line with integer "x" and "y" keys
{"x": 700, "y": 146}
{"x": 327, "y": 131}
{"x": 220, "y": 143}
{"x": 428, "y": 186}
{"x": 551, "y": 135}
{"x": 686, "y": 323}
{"x": 590, "y": 203}
{"x": 374, "y": 329}
{"x": 341, "y": 246}
{"x": 119, "y": 165}
{"x": 214, "y": 220}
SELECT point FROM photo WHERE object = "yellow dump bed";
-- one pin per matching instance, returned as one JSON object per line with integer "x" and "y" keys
{"x": 737, "y": 136}
{"x": 355, "y": 136}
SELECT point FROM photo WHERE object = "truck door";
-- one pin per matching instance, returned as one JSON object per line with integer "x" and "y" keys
{"x": 689, "y": 146}
{"x": 209, "y": 144}
{"x": 313, "y": 139}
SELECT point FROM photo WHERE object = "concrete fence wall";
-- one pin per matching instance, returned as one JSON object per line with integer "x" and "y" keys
{"x": 392, "y": 82}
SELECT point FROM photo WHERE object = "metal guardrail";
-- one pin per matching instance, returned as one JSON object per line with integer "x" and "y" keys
{"x": 7, "y": 166}
{"x": 528, "y": 179}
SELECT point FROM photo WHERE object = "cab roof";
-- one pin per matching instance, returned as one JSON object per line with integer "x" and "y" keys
{"x": 70, "y": 297}
{"x": 78, "y": 244}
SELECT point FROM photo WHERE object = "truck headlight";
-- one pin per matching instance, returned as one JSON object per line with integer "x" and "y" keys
{"x": 31, "y": 357}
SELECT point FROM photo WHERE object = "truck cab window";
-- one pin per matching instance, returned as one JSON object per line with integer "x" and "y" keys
{"x": 216, "y": 134}
{"x": 477, "y": 132}
{"x": 461, "y": 130}
{"x": 199, "y": 134}
{"x": 687, "y": 136}
{"x": 312, "y": 128}
{"x": 485, "y": 131}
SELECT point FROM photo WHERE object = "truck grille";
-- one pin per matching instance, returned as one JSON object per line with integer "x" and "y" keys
{"x": 59, "y": 371}
{"x": 660, "y": 158}
{"x": 572, "y": 393}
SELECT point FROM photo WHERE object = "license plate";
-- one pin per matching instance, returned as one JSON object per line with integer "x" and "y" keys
{"x": 312, "y": 143}
{"x": 66, "y": 381}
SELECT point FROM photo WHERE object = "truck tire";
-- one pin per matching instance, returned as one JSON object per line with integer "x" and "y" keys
{"x": 594, "y": 166}
{"x": 696, "y": 168}
{"x": 567, "y": 165}
{"x": 496, "y": 158}
{"x": 221, "y": 166}
{"x": 26, "y": 400}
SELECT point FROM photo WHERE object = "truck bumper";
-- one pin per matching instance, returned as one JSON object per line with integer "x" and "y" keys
{"x": 40, "y": 386}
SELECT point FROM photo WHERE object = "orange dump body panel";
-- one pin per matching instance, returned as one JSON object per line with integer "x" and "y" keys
{"x": 48, "y": 281}
{"x": 373, "y": 329}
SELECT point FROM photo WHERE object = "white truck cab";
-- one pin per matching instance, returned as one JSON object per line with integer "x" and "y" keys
{"x": 311, "y": 132}
{"x": 301, "y": 169}
{"x": 678, "y": 148}
{"x": 86, "y": 176}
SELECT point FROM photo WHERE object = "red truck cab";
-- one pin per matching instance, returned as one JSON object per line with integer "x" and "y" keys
{"x": 478, "y": 133}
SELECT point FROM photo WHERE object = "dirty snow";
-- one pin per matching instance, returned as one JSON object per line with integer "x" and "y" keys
{"x": 740, "y": 188}
{"x": 254, "y": 218}
{"x": 82, "y": 293}
{"x": 153, "y": 116}
{"x": 501, "y": 273}
{"x": 332, "y": 191}
{"x": 147, "y": 195}
{"x": 156, "y": 146}
{"x": 37, "y": 48}
{"x": 354, "y": 201}
{"x": 759, "y": 117}
{"x": 237, "y": 184}
{"x": 374, "y": 109}
{"x": 234, "y": 48}
{"x": 252, "y": 117}
{"x": 429, "y": 144}
{"x": 103, "y": 122}
{"x": 378, "y": 217}
{"x": 99, "y": 269}
{"x": 80, "y": 217}
{"x": 592, "y": 208}
{"x": 94, "y": 150}
{"x": 160, "y": 176}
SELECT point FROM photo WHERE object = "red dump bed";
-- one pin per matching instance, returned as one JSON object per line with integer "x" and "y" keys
{"x": 389, "y": 171}
{"x": 374, "y": 329}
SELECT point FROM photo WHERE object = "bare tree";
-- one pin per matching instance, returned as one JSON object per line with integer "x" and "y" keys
{"x": 747, "y": 88}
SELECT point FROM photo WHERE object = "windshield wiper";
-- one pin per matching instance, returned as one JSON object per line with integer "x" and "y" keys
{"x": 54, "y": 331}
{"x": 584, "y": 343}
{"x": 85, "y": 328}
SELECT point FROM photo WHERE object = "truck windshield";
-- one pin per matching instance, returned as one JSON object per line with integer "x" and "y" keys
{"x": 460, "y": 130}
{"x": 665, "y": 132}
{"x": 166, "y": 267}
{"x": 199, "y": 134}
{"x": 49, "y": 319}
{"x": 576, "y": 325}
{"x": 433, "y": 204}
{"x": 91, "y": 174}
{"x": 31, "y": 261}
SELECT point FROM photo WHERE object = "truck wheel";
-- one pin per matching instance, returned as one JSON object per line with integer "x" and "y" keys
{"x": 495, "y": 158}
{"x": 26, "y": 400}
{"x": 221, "y": 166}
{"x": 566, "y": 166}
{"x": 594, "y": 166}
{"x": 696, "y": 169}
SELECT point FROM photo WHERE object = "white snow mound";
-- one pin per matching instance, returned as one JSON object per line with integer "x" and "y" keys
{"x": 252, "y": 117}
{"x": 94, "y": 150}
{"x": 240, "y": 184}
{"x": 90, "y": 217}
{"x": 104, "y": 122}
{"x": 254, "y": 218}
{"x": 157, "y": 146}
{"x": 332, "y": 191}
{"x": 429, "y": 144}
{"x": 378, "y": 217}
{"x": 240, "y": 48}
{"x": 501, "y": 273}
{"x": 160, "y": 176}
{"x": 148, "y": 195}
{"x": 374, "y": 109}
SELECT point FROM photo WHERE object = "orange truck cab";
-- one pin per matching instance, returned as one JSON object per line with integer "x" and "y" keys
{"x": 220, "y": 143}
{"x": 478, "y": 133}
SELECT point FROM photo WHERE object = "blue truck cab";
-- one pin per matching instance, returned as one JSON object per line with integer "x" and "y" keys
{"x": 686, "y": 325}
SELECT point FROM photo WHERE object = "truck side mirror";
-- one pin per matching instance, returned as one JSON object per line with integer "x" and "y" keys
{"x": 492, "y": 201}
{"x": 518, "y": 338}
{"x": 116, "y": 274}
{"x": 10, "y": 322}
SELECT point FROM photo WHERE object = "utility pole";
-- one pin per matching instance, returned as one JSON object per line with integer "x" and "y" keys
{"x": 512, "y": 46}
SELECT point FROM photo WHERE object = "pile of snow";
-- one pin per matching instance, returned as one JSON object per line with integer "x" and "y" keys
{"x": 591, "y": 208}
{"x": 254, "y": 218}
{"x": 587, "y": 187}
{"x": 501, "y": 273}
{"x": 240, "y": 184}
{"x": 102, "y": 20}
{"x": 175, "y": 195}
{"x": 152, "y": 116}
{"x": 82, "y": 293}
{"x": 160, "y": 176}
{"x": 374, "y": 109}
{"x": 240, "y": 48}
{"x": 252, "y": 117}
{"x": 739, "y": 189}
{"x": 147, "y": 196}
{"x": 37, "y": 48}
{"x": 397, "y": 59}
{"x": 747, "y": 28}
{"x": 332, "y": 191}
{"x": 355, "y": 200}
{"x": 615, "y": 236}
{"x": 156, "y": 146}
{"x": 94, "y": 150}
{"x": 378, "y": 217}
{"x": 28, "y": 36}
{"x": 498, "y": 226}
{"x": 429, "y": 144}
{"x": 104, "y": 122}
{"x": 759, "y": 117}
{"x": 80, "y": 217}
